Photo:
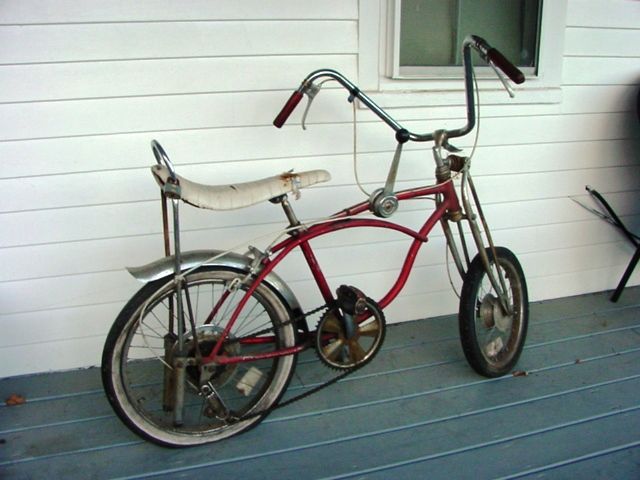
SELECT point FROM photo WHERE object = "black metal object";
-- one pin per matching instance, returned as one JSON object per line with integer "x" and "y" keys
{"x": 634, "y": 239}
{"x": 615, "y": 220}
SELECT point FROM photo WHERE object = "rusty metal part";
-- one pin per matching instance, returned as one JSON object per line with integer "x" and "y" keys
{"x": 456, "y": 162}
{"x": 341, "y": 346}
{"x": 455, "y": 215}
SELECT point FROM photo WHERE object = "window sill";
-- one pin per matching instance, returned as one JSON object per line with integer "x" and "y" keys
{"x": 448, "y": 97}
{"x": 374, "y": 53}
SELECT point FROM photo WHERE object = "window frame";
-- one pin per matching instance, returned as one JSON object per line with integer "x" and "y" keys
{"x": 375, "y": 36}
{"x": 398, "y": 72}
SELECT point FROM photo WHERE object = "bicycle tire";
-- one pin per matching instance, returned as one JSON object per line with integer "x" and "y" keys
{"x": 492, "y": 342}
{"x": 134, "y": 367}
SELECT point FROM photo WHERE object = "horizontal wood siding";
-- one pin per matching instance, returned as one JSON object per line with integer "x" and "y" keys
{"x": 83, "y": 89}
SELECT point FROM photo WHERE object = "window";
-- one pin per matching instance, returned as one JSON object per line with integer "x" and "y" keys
{"x": 392, "y": 83}
{"x": 428, "y": 34}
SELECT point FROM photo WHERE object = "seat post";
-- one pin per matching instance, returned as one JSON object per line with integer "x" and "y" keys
{"x": 283, "y": 200}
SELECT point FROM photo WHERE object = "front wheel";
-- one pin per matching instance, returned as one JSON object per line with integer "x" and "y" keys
{"x": 492, "y": 339}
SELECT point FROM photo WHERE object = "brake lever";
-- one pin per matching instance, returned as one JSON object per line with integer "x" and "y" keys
{"x": 504, "y": 81}
{"x": 311, "y": 90}
{"x": 450, "y": 148}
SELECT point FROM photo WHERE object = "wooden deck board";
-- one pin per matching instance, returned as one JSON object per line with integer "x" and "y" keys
{"x": 416, "y": 411}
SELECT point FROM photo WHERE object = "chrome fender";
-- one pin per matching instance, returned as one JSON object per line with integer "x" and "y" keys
{"x": 194, "y": 258}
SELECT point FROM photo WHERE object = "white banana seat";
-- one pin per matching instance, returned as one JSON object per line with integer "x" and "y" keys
{"x": 240, "y": 195}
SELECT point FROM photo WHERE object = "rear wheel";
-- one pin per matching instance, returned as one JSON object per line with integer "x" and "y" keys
{"x": 138, "y": 359}
{"x": 493, "y": 339}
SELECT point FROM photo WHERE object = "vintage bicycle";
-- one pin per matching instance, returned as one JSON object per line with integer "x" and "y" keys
{"x": 206, "y": 349}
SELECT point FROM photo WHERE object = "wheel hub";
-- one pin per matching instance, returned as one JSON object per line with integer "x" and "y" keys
{"x": 207, "y": 337}
{"x": 492, "y": 314}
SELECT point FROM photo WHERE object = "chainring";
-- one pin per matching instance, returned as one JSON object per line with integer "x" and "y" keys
{"x": 343, "y": 350}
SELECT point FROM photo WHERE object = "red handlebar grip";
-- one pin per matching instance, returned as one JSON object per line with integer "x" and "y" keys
{"x": 509, "y": 69}
{"x": 291, "y": 104}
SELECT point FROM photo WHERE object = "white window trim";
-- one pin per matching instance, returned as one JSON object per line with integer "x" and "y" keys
{"x": 397, "y": 72}
{"x": 375, "y": 37}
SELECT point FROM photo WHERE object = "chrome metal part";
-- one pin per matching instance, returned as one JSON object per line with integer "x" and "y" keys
{"x": 344, "y": 341}
{"x": 453, "y": 248}
{"x": 383, "y": 205}
{"x": 288, "y": 211}
{"x": 355, "y": 92}
{"x": 497, "y": 283}
{"x": 383, "y": 202}
{"x": 258, "y": 258}
{"x": 311, "y": 90}
{"x": 172, "y": 189}
{"x": 216, "y": 407}
{"x": 205, "y": 339}
{"x": 492, "y": 314}
{"x": 469, "y": 42}
{"x": 179, "y": 372}
{"x": 441, "y": 167}
{"x": 162, "y": 158}
{"x": 492, "y": 246}
{"x": 463, "y": 241}
{"x": 505, "y": 84}
{"x": 164, "y": 267}
{"x": 390, "y": 184}
{"x": 168, "y": 378}
{"x": 177, "y": 263}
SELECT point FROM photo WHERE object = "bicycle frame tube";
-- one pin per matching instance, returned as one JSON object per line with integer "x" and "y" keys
{"x": 341, "y": 221}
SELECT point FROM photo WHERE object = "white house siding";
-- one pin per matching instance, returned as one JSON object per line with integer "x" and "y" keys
{"x": 84, "y": 87}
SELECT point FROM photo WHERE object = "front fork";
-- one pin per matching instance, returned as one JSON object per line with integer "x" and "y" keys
{"x": 497, "y": 281}
{"x": 444, "y": 166}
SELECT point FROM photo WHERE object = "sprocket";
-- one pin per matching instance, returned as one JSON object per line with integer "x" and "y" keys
{"x": 207, "y": 337}
{"x": 344, "y": 342}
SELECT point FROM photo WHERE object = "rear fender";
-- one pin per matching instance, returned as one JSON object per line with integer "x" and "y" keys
{"x": 164, "y": 267}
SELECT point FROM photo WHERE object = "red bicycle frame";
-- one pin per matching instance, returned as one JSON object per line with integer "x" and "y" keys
{"x": 448, "y": 202}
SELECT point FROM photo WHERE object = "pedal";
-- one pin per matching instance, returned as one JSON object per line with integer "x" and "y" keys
{"x": 351, "y": 300}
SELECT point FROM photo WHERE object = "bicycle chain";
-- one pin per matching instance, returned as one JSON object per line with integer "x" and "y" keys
{"x": 303, "y": 395}
{"x": 283, "y": 324}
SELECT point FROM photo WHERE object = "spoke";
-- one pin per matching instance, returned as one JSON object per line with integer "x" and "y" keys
{"x": 370, "y": 330}
{"x": 229, "y": 302}
{"x": 333, "y": 349}
{"x": 332, "y": 325}
{"x": 247, "y": 320}
{"x": 356, "y": 352}
{"x": 151, "y": 336}
{"x": 159, "y": 335}
{"x": 213, "y": 300}
{"x": 145, "y": 360}
{"x": 192, "y": 320}
{"x": 197, "y": 301}
{"x": 262, "y": 326}
{"x": 153, "y": 314}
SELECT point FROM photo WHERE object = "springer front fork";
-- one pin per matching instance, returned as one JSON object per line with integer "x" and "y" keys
{"x": 474, "y": 217}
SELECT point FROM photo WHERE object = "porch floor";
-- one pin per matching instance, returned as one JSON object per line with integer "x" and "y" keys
{"x": 417, "y": 411}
